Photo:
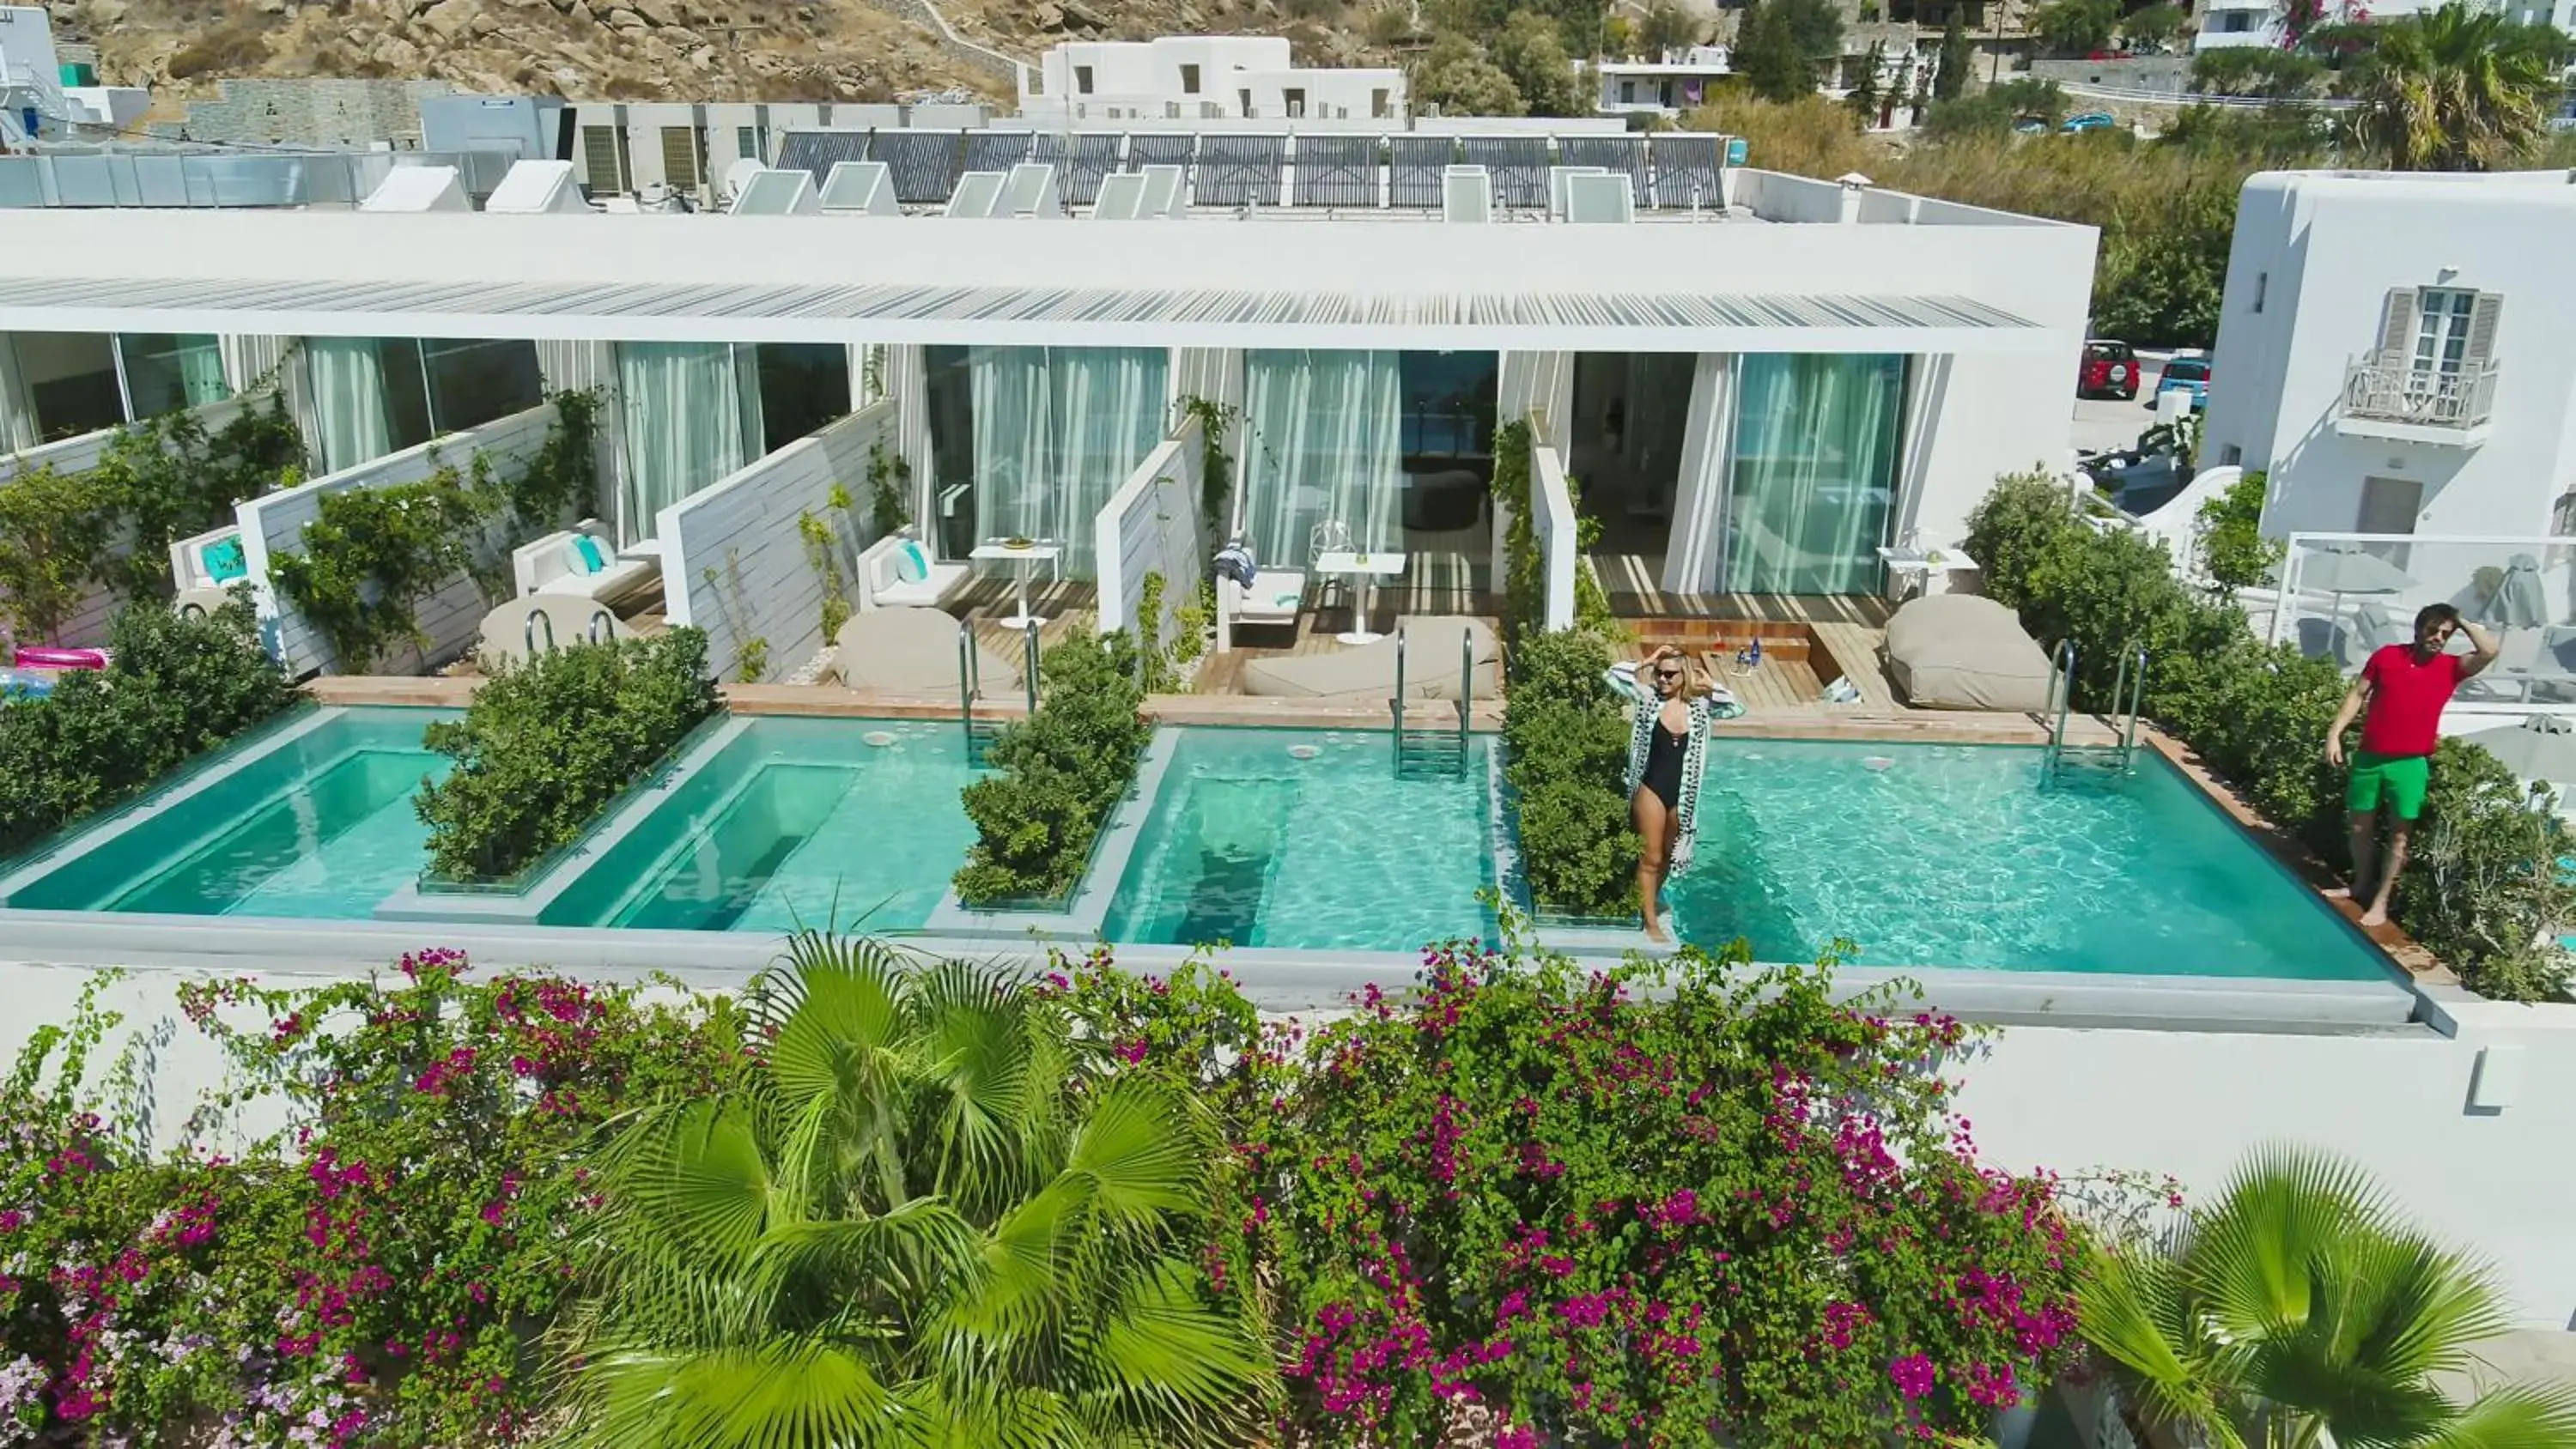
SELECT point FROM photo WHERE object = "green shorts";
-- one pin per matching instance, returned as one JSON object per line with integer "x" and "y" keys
{"x": 2401, "y": 777}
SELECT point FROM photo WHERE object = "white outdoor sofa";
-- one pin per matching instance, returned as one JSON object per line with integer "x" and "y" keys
{"x": 547, "y": 566}
{"x": 883, "y": 586}
{"x": 1275, "y": 599}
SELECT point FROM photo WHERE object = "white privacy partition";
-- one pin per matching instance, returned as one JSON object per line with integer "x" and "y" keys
{"x": 275, "y": 524}
{"x": 1150, "y": 526}
{"x": 733, "y": 562}
{"x": 1553, "y": 521}
{"x": 86, "y": 628}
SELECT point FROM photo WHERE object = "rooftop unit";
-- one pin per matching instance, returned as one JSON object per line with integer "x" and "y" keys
{"x": 418, "y": 188}
{"x": 860, "y": 188}
{"x": 766, "y": 192}
{"x": 534, "y": 187}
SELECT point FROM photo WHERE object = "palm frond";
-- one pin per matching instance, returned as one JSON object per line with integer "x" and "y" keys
{"x": 2137, "y": 1310}
{"x": 1142, "y": 1152}
{"x": 2519, "y": 1417}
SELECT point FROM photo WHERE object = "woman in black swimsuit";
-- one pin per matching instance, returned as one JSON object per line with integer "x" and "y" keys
{"x": 1655, "y": 808}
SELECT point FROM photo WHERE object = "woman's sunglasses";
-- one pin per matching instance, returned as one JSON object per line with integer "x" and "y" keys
{"x": 1668, "y": 675}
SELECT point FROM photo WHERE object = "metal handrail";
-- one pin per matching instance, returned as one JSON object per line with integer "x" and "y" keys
{"x": 603, "y": 626}
{"x": 969, "y": 682}
{"x": 1466, "y": 689}
{"x": 2061, "y": 696}
{"x": 1397, "y": 704}
{"x": 528, "y": 632}
{"x": 1029, "y": 670}
{"x": 2136, "y": 696}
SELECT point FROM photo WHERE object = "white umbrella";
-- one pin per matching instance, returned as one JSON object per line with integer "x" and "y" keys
{"x": 2346, "y": 569}
{"x": 2518, "y": 602}
{"x": 2542, "y": 747}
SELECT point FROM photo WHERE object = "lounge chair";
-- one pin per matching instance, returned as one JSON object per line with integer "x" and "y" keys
{"x": 910, "y": 651}
{"x": 580, "y": 562}
{"x": 1964, "y": 651}
{"x": 1368, "y": 672}
{"x": 899, "y": 573}
{"x": 1275, "y": 598}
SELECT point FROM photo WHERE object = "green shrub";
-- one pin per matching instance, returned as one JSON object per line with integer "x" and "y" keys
{"x": 1059, "y": 774}
{"x": 176, "y": 688}
{"x": 54, "y": 533}
{"x": 373, "y": 555}
{"x": 1524, "y": 573}
{"x": 2257, "y": 714}
{"x": 2232, "y": 546}
{"x": 548, "y": 744}
{"x": 1565, "y": 739}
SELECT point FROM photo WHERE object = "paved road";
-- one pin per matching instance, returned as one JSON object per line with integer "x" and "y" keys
{"x": 2110, "y": 423}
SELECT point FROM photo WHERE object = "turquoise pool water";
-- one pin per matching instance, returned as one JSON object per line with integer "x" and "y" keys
{"x": 1253, "y": 845}
{"x": 319, "y": 828}
{"x": 1952, "y": 855}
{"x": 795, "y": 822}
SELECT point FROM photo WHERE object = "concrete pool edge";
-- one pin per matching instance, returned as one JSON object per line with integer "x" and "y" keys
{"x": 1273, "y": 978}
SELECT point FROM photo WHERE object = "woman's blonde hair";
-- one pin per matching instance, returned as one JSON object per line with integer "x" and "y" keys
{"x": 1691, "y": 686}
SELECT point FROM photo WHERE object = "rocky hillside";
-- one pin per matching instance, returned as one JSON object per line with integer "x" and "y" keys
{"x": 650, "y": 49}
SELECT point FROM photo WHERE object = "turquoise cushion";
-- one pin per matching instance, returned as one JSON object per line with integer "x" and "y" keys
{"x": 577, "y": 559}
{"x": 223, "y": 560}
{"x": 594, "y": 551}
{"x": 912, "y": 563}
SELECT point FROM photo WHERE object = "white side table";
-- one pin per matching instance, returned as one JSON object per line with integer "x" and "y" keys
{"x": 1926, "y": 571}
{"x": 1026, "y": 557}
{"x": 1362, "y": 569}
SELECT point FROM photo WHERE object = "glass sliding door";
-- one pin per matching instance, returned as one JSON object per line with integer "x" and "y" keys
{"x": 1037, "y": 438}
{"x": 692, "y": 418}
{"x": 378, "y": 395}
{"x": 803, "y": 385}
{"x": 70, "y": 379}
{"x": 1323, "y": 450}
{"x": 1813, "y": 476}
{"x": 165, "y": 373}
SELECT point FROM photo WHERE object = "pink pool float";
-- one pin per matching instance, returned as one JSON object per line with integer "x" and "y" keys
{"x": 35, "y": 657}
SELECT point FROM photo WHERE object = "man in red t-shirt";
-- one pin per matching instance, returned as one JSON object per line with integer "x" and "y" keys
{"x": 2405, "y": 687}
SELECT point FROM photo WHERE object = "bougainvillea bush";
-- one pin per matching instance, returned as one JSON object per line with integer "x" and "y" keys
{"x": 1657, "y": 1205}
{"x": 373, "y": 1273}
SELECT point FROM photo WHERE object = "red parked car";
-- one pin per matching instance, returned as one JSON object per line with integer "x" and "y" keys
{"x": 2110, "y": 369}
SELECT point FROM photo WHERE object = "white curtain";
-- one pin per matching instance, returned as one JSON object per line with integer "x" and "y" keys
{"x": 1109, "y": 413}
{"x": 1008, "y": 389}
{"x": 347, "y": 376}
{"x": 1814, "y": 472}
{"x": 1323, "y": 443}
{"x": 690, "y": 422}
{"x": 201, "y": 371}
{"x": 1057, "y": 430}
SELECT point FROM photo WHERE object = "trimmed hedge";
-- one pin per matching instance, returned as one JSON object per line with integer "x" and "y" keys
{"x": 176, "y": 688}
{"x": 1566, "y": 751}
{"x": 2256, "y": 715}
{"x": 1060, "y": 772}
{"x": 547, "y": 745}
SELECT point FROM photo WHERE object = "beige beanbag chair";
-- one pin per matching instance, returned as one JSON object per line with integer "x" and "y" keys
{"x": 913, "y": 651}
{"x": 1959, "y": 651}
{"x": 1368, "y": 672}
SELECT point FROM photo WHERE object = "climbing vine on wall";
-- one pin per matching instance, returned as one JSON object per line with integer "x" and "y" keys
{"x": 1216, "y": 465}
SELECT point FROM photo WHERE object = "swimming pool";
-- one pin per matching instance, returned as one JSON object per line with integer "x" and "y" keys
{"x": 1953, "y": 856}
{"x": 795, "y": 822}
{"x": 1303, "y": 838}
{"x": 318, "y": 827}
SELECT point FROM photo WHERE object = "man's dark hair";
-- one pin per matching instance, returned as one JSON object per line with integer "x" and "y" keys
{"x": 2432, "y": 614}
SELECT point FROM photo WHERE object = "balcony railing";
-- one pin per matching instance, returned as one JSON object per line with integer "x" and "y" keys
{"x": 2397, "y": 392}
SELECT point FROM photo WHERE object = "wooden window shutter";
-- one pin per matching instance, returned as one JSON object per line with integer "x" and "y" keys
{"x": 2397, "y": 326}
{"x": 2484, "y": 314}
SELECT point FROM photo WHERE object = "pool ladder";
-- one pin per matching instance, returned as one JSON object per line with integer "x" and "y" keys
{"x": 602, "y": 630}
{"x": 1425, "y": 750}
{"x": 2126, "y": 692}
{"x": 980, "y": 733}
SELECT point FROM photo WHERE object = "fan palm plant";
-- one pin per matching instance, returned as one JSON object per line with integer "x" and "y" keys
{"x": 933, "y": 1218}
{"x": 2454, "y": 89}
{"x": 2299, "y": 1306}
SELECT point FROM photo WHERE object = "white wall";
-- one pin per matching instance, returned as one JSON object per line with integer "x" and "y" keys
{"x": 452, "y": 616}
{"x": 1150, "y": 526}
{"x": 2193, "y": 1104}
{"x": 744, "y": 528}
{"x": 2321, "y": 251}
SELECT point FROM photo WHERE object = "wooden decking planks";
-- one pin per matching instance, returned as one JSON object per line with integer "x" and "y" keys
{"x": 1856, "y": 656}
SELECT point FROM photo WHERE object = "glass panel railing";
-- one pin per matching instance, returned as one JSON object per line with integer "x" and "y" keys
{"x": 2342, "y": 596}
